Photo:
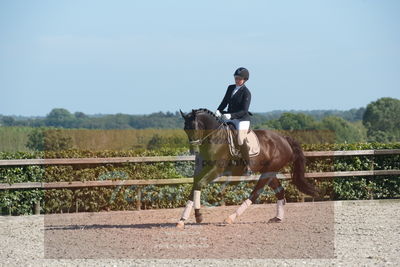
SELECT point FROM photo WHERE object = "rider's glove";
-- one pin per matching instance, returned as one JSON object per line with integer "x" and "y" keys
{"x": 218, "y": 113}
{"x": 226, "y": 116}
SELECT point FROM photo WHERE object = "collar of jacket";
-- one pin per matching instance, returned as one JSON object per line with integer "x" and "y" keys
{"x": 234, "y": 86}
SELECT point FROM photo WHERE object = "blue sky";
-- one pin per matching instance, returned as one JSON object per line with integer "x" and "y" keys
{"x": 139, "y": 57}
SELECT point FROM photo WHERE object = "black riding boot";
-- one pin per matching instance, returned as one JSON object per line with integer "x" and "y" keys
{"x": 246, "y": 159}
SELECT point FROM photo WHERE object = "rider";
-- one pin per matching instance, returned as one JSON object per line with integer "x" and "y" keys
{"x": 237, "y": 98}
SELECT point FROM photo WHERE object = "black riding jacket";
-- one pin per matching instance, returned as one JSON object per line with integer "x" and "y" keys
{"x": 238, "y": 105}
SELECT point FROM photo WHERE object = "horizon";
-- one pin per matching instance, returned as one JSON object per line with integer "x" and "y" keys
{"x": 177, "y": 111}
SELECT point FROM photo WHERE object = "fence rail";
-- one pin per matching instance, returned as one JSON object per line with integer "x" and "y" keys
{"x": 175, "y": 181}
{"x": 75, "y": 161}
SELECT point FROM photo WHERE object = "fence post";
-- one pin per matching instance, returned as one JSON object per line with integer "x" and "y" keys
{"x": 138, "y": 197}
{"x": 302, "y": 197}
{"x": 37, "y": 207}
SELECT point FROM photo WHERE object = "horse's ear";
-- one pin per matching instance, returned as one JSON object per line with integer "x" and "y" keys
{"x": 182, "y": 114}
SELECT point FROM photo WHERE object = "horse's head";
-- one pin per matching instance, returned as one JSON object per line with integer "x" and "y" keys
{"x": 192, "y": 126}
{"x": 197, "y": 123}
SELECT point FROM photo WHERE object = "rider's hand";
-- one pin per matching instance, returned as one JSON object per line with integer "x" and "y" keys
{"x": 226, "y": 116}
{"x": 218, "y": 113}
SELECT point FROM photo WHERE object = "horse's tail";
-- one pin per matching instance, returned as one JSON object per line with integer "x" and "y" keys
{"x": 299, "y": 168}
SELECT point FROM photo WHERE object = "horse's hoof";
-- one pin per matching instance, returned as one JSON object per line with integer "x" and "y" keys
{"x": 180, "y": 225}
{"x": 230, "y": 219}
{"x": 275, "y": 220}
{"x": 199, "y": 218}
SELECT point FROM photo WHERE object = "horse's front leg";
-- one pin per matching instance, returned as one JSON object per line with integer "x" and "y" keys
{"x": 206, "y": 174}
{"x": 196, "y": 190}
{"x": 197, "y": 205}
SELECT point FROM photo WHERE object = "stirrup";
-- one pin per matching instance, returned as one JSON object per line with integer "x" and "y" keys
{"x": 238, "y": 154}
{"x": 247, "y": 171}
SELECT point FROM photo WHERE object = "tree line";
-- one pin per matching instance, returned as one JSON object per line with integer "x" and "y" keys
{"x": 62, "y": 118}
{"x": 379, "y": 121}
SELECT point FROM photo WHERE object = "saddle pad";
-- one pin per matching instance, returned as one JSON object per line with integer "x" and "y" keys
{"x": 253, "y": 144}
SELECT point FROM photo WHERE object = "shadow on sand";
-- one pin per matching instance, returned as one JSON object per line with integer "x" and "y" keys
{"x": 132, "y": 226}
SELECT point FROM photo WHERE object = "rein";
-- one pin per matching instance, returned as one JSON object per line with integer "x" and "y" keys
{"x": 200, "y": 141}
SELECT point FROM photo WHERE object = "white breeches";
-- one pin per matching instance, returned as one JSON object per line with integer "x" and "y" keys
{"x": 242, "y": 127}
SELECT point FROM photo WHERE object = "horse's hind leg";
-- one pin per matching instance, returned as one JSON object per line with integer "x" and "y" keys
{"x": 264, "y": 179}
{"x": 280, "y": 195}
{"x": 231, "y": 219}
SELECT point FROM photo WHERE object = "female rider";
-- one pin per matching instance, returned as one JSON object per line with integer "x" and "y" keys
{"x": 238, "y": 98}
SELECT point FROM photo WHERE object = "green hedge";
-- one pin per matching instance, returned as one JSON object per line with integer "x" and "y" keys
{"x": 358, "y": 187}
{"x": 18, "y": 202}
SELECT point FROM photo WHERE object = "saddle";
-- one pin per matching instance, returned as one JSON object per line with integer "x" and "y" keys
{"x": 251, "y": 141}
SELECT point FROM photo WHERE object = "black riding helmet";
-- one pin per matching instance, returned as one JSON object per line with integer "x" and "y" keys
{"x": 242, "y": 72}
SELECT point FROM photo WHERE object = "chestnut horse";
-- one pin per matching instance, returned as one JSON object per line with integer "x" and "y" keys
{"x": 209, "y": 135}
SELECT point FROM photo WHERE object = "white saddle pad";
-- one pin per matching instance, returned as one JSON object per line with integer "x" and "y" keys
{"x": 253, "y": 144}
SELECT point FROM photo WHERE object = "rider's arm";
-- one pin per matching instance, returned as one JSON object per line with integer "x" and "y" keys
{"x": 224, "y": 102}
{"x": 245, "y": 106}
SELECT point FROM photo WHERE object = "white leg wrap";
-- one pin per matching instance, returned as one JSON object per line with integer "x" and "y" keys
{"x": 243, "y": 207}
{"x": 187, "y": 210}
{"x": 232, "y": 217}
{"x": 280, "y": 213}
{"x": 196, "y": 199}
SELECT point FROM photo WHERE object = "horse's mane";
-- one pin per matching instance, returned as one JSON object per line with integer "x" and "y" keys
{"x": 209, "y": 112}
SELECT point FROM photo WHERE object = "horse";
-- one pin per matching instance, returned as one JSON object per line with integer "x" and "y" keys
{"x": 208, "y": 134}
